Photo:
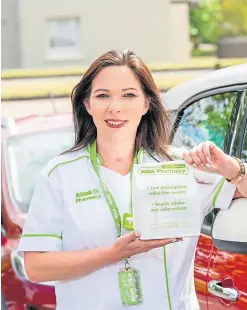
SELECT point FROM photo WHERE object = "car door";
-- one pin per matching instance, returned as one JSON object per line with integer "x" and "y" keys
{"x": 227, "y": 267}
{"x": 211, "y": 117}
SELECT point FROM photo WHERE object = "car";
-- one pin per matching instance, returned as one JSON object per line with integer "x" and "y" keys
{"x": 27, "y": 145}
{"x": 211, "y": 107}
{"x": 214, "y": 107}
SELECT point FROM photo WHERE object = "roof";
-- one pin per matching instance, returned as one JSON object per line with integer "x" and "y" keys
{"x": 179, "y": 94}
{"x": 35, "y": 123}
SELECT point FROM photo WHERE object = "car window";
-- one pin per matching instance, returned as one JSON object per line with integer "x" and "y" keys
{"x": 209, "y": 219}
{"x": 244, "y": 150}
{"x": 27, "y": 155}
{"x": 244, "y": 145}
{"x": 205, "y": 119}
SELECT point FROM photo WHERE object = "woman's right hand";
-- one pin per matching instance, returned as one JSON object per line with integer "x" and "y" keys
{"x": 130, "y": 244}
{"x": 66, "y": 265}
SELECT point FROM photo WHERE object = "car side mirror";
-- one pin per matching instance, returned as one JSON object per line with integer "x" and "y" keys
{"x": 4, "y": 239}
{"x": 229, "y": 231}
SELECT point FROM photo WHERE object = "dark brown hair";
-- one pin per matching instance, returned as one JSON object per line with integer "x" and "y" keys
{"x": 153, "y": 133}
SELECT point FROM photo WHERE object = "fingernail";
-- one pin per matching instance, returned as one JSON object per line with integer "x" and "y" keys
{"x": 137, "y": 234}
{"x": 202, "y": 165}
{"x": 177, "y": 240}
{"x": 208, "y": 165}
{"x": 194, "y": 165}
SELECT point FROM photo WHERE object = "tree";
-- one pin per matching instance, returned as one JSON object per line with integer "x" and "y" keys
{"x": 205, "y": 19}
{"x": 234, "y": 17}
{"x": 210, "y": 19}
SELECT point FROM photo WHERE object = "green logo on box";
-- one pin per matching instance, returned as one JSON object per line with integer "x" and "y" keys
{"x": 169, "y": 169}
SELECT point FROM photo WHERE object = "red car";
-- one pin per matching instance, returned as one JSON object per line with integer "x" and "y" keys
{"x": 214, "y": 107}
{"x": 27, "y": 145}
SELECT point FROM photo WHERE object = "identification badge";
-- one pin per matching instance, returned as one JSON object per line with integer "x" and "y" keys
{"x": 128, "y": 221}
{"x": 130, "y": 288}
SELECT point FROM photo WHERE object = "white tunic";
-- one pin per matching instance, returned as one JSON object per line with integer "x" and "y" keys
{"x": 69, "y": 212}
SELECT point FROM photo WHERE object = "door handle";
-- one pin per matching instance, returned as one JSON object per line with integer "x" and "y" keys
{"x": 228, "y": 293}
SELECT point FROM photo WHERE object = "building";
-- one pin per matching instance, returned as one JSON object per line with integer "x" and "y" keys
{"x": 59, "y": 33}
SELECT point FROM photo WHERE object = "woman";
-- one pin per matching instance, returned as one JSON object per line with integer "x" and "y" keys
{"x": 71, "y": 234}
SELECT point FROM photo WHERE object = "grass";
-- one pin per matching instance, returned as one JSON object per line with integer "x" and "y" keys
{"x": 200, "y": 62}
{"x": 200, "y": 53}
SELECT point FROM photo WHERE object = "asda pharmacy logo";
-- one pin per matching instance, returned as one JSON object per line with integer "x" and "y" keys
{"x": 87, "y": 195}
{"x": 165, "y": 169}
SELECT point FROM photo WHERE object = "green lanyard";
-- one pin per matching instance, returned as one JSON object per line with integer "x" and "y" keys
{"x": 109, "y": 198}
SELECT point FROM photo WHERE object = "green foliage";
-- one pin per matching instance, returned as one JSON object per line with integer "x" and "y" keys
{"x": 211, "y": 19}
{"x": 234, "y": 14}
{"x": 204, "y": 22}
{"x": 197, "y": 52}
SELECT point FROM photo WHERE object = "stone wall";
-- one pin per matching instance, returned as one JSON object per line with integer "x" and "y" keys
{"x": 232, "y": 47}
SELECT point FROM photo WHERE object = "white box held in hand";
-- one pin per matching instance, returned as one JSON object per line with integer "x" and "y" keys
{"x": 166, "y": 200}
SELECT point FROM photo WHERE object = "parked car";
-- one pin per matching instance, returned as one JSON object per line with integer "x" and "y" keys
{"x": 27, "y": 145}
{"x": 214, "y": 107}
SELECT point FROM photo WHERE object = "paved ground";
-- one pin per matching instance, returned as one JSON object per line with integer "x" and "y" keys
{"x": 17, "y": 109}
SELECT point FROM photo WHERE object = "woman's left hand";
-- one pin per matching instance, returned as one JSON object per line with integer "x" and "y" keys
{"x": 208, "y": 157}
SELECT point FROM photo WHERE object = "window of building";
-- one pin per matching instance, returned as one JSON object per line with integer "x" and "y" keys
{"x": 63, "y": 37}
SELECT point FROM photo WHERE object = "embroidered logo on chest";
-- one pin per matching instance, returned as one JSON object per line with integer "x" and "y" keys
{"x": 87, "y": 195}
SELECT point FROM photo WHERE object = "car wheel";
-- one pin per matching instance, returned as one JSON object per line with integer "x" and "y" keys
{"x": 3, "y": 303}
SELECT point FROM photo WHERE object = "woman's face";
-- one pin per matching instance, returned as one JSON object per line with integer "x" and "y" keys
{"x": 117, "y": 101}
